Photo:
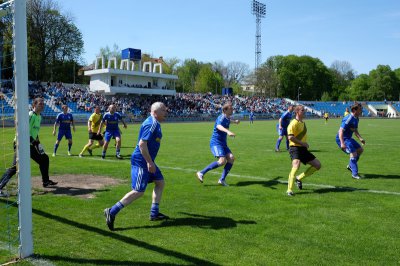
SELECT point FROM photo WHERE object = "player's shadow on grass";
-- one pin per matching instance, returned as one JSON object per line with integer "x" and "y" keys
{"x": 335, "y": 190}
{"x": 75, "y": 225}
{"x": 372, "y": 176}
{"x": 77, "y": 261}
{"x": 196, "y": 220}
{"x": 265, "y": 183}
{"x": 316, "y": 151}
{"x": 70, "y": 191}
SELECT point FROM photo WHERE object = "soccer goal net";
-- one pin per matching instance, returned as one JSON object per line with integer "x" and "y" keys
{"x": 15, "y": 201}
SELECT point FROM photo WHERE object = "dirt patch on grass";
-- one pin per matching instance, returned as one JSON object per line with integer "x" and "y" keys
{"x": 82, "y": 186}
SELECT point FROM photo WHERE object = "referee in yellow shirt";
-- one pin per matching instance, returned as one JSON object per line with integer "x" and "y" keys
{"x": 93, "y": 126}
{"x": 298, "y": 149}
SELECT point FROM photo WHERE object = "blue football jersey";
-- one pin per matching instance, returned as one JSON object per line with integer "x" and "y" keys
{"x": 150, "y": 131}
{"x": 64, "y": 120}
{"x": 112, "y": 120}
{"x": 218, "y": 137}
{"x": 349, "y": 124}
{"x": 285, "y": 119}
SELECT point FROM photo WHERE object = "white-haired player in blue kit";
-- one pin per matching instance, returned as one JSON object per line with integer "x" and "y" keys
{"x": 143, "y": 168}
{"x": 345, "y": 141}
{"x": 218, "y": 145}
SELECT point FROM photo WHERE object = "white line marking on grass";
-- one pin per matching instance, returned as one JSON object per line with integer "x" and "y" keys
{"x": 244, "y": 176}
{"x": 284, "y": 182}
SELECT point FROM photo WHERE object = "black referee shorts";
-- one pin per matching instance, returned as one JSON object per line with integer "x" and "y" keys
{"x": 95, "y": 136}
{"x": 301, "y": 153}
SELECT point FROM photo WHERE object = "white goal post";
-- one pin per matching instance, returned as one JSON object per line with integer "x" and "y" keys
{"x": 22, "y": 125}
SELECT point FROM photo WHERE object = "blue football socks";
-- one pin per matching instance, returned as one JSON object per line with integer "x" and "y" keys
{"x": 55, "y": 148}
{"x": 116, "y": 208}
{"x": 353, "y": 166}
{"x": 278, "y": 143}
{"x": 154, "y": 210}
{"x": 209, "y": 167}
{"x": 227, "y": 168}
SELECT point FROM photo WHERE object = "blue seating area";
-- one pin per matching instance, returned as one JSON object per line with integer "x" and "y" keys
{"x": 333, "y": 108}
{"x": 6, "y": 109}
{"x": 74, "y": 107}
{"x": 338, "y": 108}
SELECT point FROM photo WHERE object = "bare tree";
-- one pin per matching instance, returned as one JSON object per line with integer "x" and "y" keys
{"x": 267, "y": 82}
{"x": 235, "y": 72}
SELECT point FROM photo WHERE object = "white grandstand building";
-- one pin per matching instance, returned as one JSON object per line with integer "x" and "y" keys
{"x": 132, "y": 77}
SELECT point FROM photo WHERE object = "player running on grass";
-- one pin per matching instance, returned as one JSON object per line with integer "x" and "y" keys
{"x": 143, "y": 168}
{"x": 345, "y": 141}
{"x": 93, "y": 127}
{"x": 298, "y": 149}
{"x": 219, "y": 146}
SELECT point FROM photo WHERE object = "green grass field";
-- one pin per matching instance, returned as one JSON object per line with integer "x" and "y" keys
{"x": 334, "y": 220}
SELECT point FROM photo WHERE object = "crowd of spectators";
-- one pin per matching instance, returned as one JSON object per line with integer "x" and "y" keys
{"x": 181, "y": 105}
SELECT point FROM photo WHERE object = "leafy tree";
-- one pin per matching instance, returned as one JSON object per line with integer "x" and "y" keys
{"x": 358, "y": 90}
{"x": 304, "y": 75}
{"x": 170, "y": 65}
{"x": 187, "y": 74}
{"x": 325, "y": 97}
{"x": 6, "y": 47}
{"x": 384, "y": 84}
{"x": 208, "y": 80}
{"x": 52, "y": 39}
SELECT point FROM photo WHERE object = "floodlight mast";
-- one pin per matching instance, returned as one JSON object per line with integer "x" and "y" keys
{"x": 259, "y": 10}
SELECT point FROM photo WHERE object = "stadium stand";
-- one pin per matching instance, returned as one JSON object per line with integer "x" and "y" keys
{"x": 194, "y": 106}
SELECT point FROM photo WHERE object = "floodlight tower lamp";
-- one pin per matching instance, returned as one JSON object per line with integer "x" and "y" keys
{"x": 259, "y": 10}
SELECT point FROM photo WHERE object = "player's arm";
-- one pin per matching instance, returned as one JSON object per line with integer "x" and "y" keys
{"x": 123, "y": 122}
{"x": 100, "y": 127}
{"x": 227, "y": 131}
{"x": 73, "y": 124}
{"x": 89, "y": 124}
{"x": 280, "y": 123}
{"x": 55, "y": 128}
{"x": 144, "y": 150}
{"x": 292, "y": 138}
{"x": 359, "y": 136}
{"x": 342, "y": 144}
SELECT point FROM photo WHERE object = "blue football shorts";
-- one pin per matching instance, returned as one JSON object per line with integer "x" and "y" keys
{"x": 64, "y": 132}
{"x": 220, "y": 150}
{"x": 140, "y": 177}
{"x": 281, "y": 132}
{"x": 351, "y": 145}
{"x": 112, "y": 133}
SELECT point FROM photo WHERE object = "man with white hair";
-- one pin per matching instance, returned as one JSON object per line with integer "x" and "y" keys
{"x": 143, "y": 168}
